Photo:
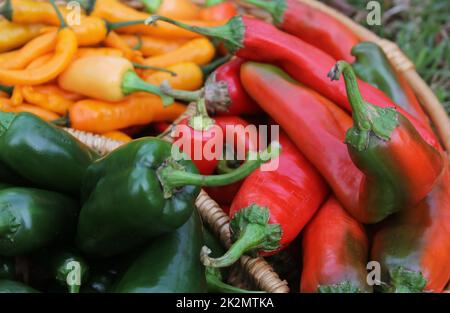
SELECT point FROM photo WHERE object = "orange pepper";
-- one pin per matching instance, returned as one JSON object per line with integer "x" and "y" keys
{"x": 13, "y": 35}
{"x": 3, "y": 94}
{"x": 177, "y": 9}
{"x": 113, "y": 40}
{"x": 17, "y": 96}
{"x": 200, "y": 51}
{"x": 218, "y": 12}
{"x": 33, "y": 49}
{"x": 100, "y": 117}
{"x": 66, "y": 47}
{"x": 189, "y": 76}
{"x": 115, "y": 11}
{"x": 151, "y": 46}
{"x": 87, "y": 52}
{"x": 117, "y": 135}
{"x": 54, "y": 101}
{"x": 33, "y": 12}
{"x": 39, "y": 61}
{"x": 6, "y": 106}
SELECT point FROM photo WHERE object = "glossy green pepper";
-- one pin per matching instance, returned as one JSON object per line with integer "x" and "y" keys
{"x": 373, "y": 67}
{"x": 65, "y": 266}
{"x": 31, "y": 219}
{"x": 171, "y": 263}
{"x": 42, "y": 153}
{"x": 7, "y": 175}
{"x": 10, "y": 286}
{"x": 7, "y": 268}
{"x": 4, "y": 185}
{"x": 139, "y": 191}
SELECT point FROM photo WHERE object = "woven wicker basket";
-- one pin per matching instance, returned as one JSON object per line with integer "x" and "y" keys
{"x": 257, "y": 273}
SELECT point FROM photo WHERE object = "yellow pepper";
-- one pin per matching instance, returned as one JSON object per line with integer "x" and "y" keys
{"x": 189, "y": 76}
{"x": 13, "y": 35}
{"x": 117, "y": 135}
{"x": 151, "y": 46}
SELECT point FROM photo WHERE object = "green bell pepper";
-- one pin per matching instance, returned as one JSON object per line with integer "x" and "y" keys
{"x": 7, "y": 175}
{"x": 171, "y": 263}
{"x": 139, "y": 191}
{"x": 373, "y": 67}
{"x": 42, "y": 153}
{"x": 31, "y": 219}
{"x": 65, "y": 266}
{"x": 10, "y": 286}
{"x": 7, "y": 268}
{"x": 4, "y": 185}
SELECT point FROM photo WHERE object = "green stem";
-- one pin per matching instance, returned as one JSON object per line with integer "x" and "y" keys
{"x": 63, "y": 121}
{"x": 138, "y": 45}
{"x": 183, "y": 95}
{"x": 216, "y": 285}
{"x": 6, "y": 10}
{"x": 201, "y": 120}
{"x": 252, "y": 233}
{"x": 154, "y": 68}
{"x": 209, "y": 68}
{"x": 88, "y": 5}
{"x": 59, "y": 14}
{"x": 171, "y": 177}
{"x": 276, "y": 8}
{"x": 210, "y": 3}
{"x": 232, "y": 33}
{"x": 367, "y": 118}
{"x": 7, "y": 89}
{"x": 223, "y": 167}
{"x": 151, "y": 5}
{"x": 115, "y": 25}
{"x": 133, "y": 83}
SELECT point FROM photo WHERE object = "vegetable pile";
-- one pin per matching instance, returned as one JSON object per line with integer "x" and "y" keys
{"x": 355, "y": 173}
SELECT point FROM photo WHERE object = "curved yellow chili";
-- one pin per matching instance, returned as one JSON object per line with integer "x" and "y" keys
{"x": 13, "y": 35}
{"x": 66, "y": 47}
{"x": 151, "y": 46}
{"x": 113, "y": 40}
{"x": 17, "y": 96}
{"x": 33, "y": 49}
{"x": 189, "y": 76}
{"x": 6, "y": 106}
{"x": 54, "y": 102}
{"x": 117, "y": 135}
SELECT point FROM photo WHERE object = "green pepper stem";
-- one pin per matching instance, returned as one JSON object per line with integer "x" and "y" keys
{"x": 210, "y": 3}
{"x": 367, "y": 118}
{"x": 133, "y": 83}
{"x": 171, "y": 177}
{"x": 138, "y": 45}
{"x": 201, "y": 120}
{"x": 154, "y": 68}
{"x": 88, "y": 5}
{"x": 223, "y": 167}
{"x": 183, "y": 95}
{"x": 216, "y": 285}
{"x": 151, "y": 5}
{"x": 59, "y": 14}
{"x": 276, "y": 8}
{"x": 208, "y": 68}
{"x": 6, "y": 10}
{"x": 63, "y": 121}
{"x": 232, "y": 33}
{"x": 8, "y": 89}
{"x": 115, "y": 25}
{"x": 252, "y": 232}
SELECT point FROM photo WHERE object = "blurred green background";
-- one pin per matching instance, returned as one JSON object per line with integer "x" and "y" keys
{"x": 420, "y": 28}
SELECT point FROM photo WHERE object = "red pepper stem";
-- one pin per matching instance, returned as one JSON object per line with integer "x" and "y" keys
{"x": 201, "y": 121}
{"x": 132, "y": 83}
{"x": 232, "y": 33}
{"x": 276, "y": 8}
{"x": 183, "y": 95}
{"x": 6, "y": 10}
{"x": 59, "y": 14}
{"x": 151, "y": 5}
{"x": 254, "y": 233}
{"x": 367, "y": 118}
{"x": 172, "y": 175}
{"x": 209, "y": 68}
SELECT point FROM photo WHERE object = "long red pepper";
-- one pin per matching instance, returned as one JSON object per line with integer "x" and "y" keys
{"x": 238, "y": 140}
{"x": 335, "y": 252}
{"x": 413, "y": 247}
{"x": 223, "y": 92}
{"x": 199, "y": 138}
{"x": 397, "y": 172}
{"x": 256, "y": 40}
{"x": 311, "y": 25}
{"x": 272, "y": 207}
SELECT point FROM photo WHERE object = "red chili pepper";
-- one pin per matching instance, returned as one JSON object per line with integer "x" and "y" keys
{"x": 393, "y": 173}
{"x": 240, "y": 142}
{"x": 198, "y": 137}
{"x": 311, "y": 25}
{"x": 256, "y": 40}
{"x": 413, "y": 247}
{"x": 273, "y": 206}
{"x": 219, "y": 12}
{"x": 335, "y": 251}
{"x": 223, "y": 92}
